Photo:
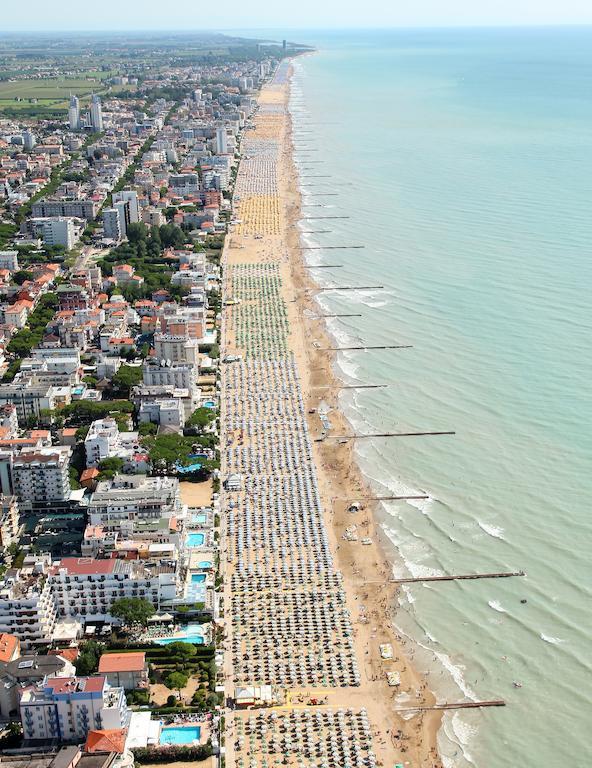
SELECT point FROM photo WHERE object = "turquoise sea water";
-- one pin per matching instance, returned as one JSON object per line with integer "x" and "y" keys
{"x": 464, "y": 161}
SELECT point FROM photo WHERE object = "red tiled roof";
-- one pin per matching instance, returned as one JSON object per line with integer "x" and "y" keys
{"x": 9, "y": 644}
{"x": 122, "y": 662}
{"x": 70, "y": 654}
{"x": 85, "y": 566}
{"x": 73, "y": 684}
{"x": 112, "y": 740}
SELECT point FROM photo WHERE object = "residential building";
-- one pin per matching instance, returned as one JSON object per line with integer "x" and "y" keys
{"x": 29, "y": 140}
{"x": 28, "y": 399}
{"x": 166, "y": 412}
{"x": 131, "y": 197}
{"x": 128, "y": 670}
{"x": 104, "y": 440}
{"x": 9, "y": 521}
{"x": 164, "y": 373}
{"x": 96, "y": 113}
{"x": 74, "y": 113}
{"x": 27, "y": 670}
{"x": 80, "y": 209}
{"x": 85, "y": 588}
{"x": 67, "y": 708}
{"x": 42, "y": 477}
{"x": 221, "y": 140}
{"x": 177, "y": 349}
{"x": 9, "y": 260}
{"x": 111, "y": 224}
{"x": 59, "y": 230}
{"x": 128, "y": 502}
{"x": 27, "y": 607}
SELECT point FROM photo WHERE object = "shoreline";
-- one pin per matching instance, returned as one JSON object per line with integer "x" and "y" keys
{"x": 339, "y": 473}
{"x": 269, "y": 237}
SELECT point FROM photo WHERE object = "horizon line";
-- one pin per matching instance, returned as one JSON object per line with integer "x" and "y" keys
{"x": 371, "y": 28}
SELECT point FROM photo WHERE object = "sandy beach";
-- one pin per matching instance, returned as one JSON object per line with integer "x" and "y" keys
{"x": 268, "y": 235}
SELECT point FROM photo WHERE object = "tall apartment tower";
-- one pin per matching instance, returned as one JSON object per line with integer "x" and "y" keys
{"x": 74, "y": 113}
{"x": 129, "y": 196}
{"x": 96, "y": 114}
{"x": 221, "y": 142}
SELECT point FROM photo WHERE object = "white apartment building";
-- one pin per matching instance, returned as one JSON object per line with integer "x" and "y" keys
{"x": 104, "y": 440}
{"x": 111, "y": 224}
{"x": 59, "y": 230}
{"x": 67, "y": 708}
{"x": 130, "y": 197}
{"x": 221, "y": 140}
{"x": 9, "y": 521}
{"x": 164, "y": 373}
{"x": 27, "y": 607}
{"x": 127, "y": 502}
{"x": 42, "y": 476}
{"x": 85, "y": 589}
{"x": 166, "y": 412}
{"x": 74, "y": 113}
{"x": 9, "y": 260}
{"x": 96, "y": 113}
{"x": 28, "y": 399}
{"x": 177, "y": 349}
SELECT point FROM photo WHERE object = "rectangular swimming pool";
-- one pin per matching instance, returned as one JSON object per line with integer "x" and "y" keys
{"x": 181, "y": 734}
{"x": 195, "y": 539}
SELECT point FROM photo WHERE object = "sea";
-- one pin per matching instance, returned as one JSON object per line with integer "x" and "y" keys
{"x": 462, "y": 160}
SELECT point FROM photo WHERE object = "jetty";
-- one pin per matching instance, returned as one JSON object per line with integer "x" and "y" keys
{"x": 349, "y": 288}
{"x": 350, "y": 386}
{"x": 417, "y": 497}
{"x": 357, "y": 314}
{"x": 344, "y": 438}
{"x": 453, "y": 705}
{"x": 462, "y": 577}
{"x": 364, "y": 349}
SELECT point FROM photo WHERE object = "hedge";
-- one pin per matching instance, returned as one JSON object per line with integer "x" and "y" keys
{"x": 172, "y": 754}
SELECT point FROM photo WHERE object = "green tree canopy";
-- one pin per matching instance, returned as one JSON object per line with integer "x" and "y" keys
{"x": 132, "y": 610}
{"x": 176, "y": 681}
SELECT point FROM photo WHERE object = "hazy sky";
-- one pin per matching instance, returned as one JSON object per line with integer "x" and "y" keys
{"x": 243, "y": 14}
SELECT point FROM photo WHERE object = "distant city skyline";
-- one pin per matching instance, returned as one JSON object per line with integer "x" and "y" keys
{"x": 306, "y": 14}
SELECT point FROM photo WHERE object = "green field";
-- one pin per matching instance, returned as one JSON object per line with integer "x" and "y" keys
{"x": 38, "y": 98}
{"x": 54, "y": 89}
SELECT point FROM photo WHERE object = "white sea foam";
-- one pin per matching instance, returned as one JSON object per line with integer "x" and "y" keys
{"x": 491, "y": 530}
{"x": 550, "y": 639}
{"x": 496, "y": 606}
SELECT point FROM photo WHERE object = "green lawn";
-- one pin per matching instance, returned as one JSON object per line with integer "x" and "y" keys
{"x": 50, "y": 89}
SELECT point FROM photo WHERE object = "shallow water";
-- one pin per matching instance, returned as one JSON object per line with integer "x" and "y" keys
{"x": 463, "y": 161}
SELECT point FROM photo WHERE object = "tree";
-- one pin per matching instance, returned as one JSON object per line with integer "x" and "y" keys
{"x": 201, "y": 418}
{"x": 137, "y": 232}
{"x": 147, "y": 428}
{"x": 21, "y": 276}
{"x": 110, "y": 467}
{"x": 87, "y": 662}
{"x": 127, "y": 376}
{"x": 176, "y": 681}
{"x": 185, "y": 650}
{"x": 132, "y": 610}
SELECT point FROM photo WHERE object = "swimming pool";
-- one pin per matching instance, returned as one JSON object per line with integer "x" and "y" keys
{"x": 195, "y": 539}
{"x": 209, "y": 404}
{"x": 189, "y": 633}
{"x": 204, "y": 564}
{"x": 198, "y": 577}
{"x": 199, "y": 518}
{"x": 180, "y": 734}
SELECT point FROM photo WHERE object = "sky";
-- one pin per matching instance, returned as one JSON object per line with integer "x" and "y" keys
{"x": 103, "y": 15}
